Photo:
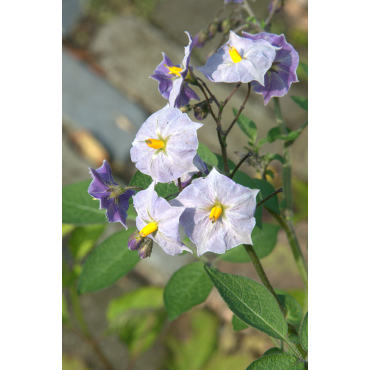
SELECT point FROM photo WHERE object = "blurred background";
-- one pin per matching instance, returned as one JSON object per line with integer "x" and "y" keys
{"x": 110, "y": 47}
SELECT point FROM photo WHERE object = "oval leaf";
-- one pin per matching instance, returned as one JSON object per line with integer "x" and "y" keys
{"x": 206, "y": 155}
{"x": 278, "y": 361}
{"x": 302, "y": 102}
{"x": 247, "y": 126}
{"x": 238, "y": 324}
{"x": 293, "y": 308}
{"x": 187, "y": 287}
{"x": 266, "y": 190}
{"x": 304, "y": 333}
{"x": 108, "y": 262}
{"x": 251, "y": 302}
{"x": 264, "y": 242}
{"x": 272, "y": 351}
{"x": 78, "y": 207}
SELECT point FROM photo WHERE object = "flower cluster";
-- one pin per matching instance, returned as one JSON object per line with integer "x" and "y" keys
{"x": 216, "y": 213}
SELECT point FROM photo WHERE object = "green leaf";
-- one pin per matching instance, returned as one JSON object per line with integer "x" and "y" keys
{"x": 302, "y": 102}
{"x": 293, "y": 309}
{"x": 187, "y": 287}
{"x": 220, "y": 164}
{"x": 143, "y": 181}
{"x": 247, "y": 126}
{"x": 278, "y": 361}
{"x": 238, "y": 324}
{"x": 65, "y": 313}
{"x": 304, "y": 333}
{"x": 273, "y": 134}
{"x": 272, "y": 351}
{"x": 251, "y": 302}
{"x": 108, "y": 262}
{"x": 294, "y": 338}
{"x": 83, "y": 239}
{"x": 149, "y": 297}
{"x": 266, "y": 190}
{"x": 264, "y": 241}
{"x": 262, "y": 142}
{"x": 304, "y": 67}
{"x": 206, "y": 155}
{"x": 66, "y": 229}
{"x": 270, "y": 173}
{"x": 278, "y": 157}
{"x": 78, "y": 207}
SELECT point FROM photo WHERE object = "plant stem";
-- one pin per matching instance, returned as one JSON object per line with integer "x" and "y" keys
{"x": 223, "y": 104}
{"x": 280, "y": 190}
{"x": 240, "y": 163}
{"x": 86, "y": 332}
{"x": 293, "y": 242}
{"x": 261, "y": 273}
{"x": 208, "y": 103}
{"x": 209, "y": 92}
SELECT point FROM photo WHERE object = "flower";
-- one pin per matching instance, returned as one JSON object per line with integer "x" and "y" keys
{"x": 171, "y": 78}
{"x": 282, "y": 72}
{"x": 159, "y": 221}
{"x": 166, "y": 145}
{"x": 219, "y": 214}
{"x": 240, "y": 60}
{"x": 200, "y": 165}
{"x": 113, "y": 197}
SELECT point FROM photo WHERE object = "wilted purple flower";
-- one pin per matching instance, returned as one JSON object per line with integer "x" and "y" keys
{"x": 240, "y": 60}
{"x": 165, "y": 145}
{"x": 198, "y": 163}
{"x": 219, "y": 214}
{"x": 282, "y": 73}
{"x": 158, "y": 220}
{"x": 171, "y": 79}
{"x": 113, "y": 197}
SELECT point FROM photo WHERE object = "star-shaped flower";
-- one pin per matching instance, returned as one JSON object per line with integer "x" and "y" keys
{"x": 219, "y": 214}
{"x": 282, "y": 72}
{"x": 165, "y": 145}
{"x": 158, "y": 220}
{"x": 171, "y": 78}
{"x": 240, "y": 60}
{"x": 113, "y": 197}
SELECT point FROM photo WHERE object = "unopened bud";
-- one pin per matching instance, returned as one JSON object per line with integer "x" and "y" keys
{"x": 201, "y": 110}
{"x": 190, "y": 77}
{"x": 213, "y": 28}
{"x": 185, "y": 108}
{"x": 279, "y": 5}
{"x": 146, "y": 248}
{"x": 225, "y": 26}
{"x": 200, "y": 39}
{"x": 135, "y": 241}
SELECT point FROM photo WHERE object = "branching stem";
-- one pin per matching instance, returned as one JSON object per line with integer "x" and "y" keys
{"x": 240, "y": 163}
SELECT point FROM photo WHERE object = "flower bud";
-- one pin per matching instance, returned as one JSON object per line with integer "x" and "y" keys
{"x": 213, "y": 28}
{"x": 185, "y": 108}
{"x": 201, "y": 110}
{"x": 225, "y": 26}
{"x": 146, "y": 248}
{"x": 200, "y": 39}
{"x": 135, "y": 241}
{"x": 279, "y": 5}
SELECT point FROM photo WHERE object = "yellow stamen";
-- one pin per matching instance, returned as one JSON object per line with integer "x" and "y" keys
{"x": 215, "y": 213}
{"x": 174, "y": 70}
{"x": 235, "y": 56}
{"x": 148, "y": 229}
{"x": 155, "y": 143}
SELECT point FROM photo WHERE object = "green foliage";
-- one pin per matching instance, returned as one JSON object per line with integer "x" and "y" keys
{"x": 272, "y": 351}
{"x": 66, "y": 229}
{"x": 293, "y": 309}
{"x": 304, "y": 333}
{"x": 238, "y": 324}
{"x": 277, "y": 361}
{"x": 188, "y": 287}
{"x": 264, "y": 242}
{"x": 65, "y": 313}
{"x": 78, "y": 207}
{"x": 199, "y": 345}
{"x": 266, "y": 190}
{"x": 251, "y": 302}
{"x": 138, "y": 318}
{"x": 304, "y": 67}
{"x": 302, "y": 102}
{"x": 247, "y": 126}
{"x": 143, "y": 181}
{"x": 69, "y": 276}
{"x": 222, "y": 362}
{"x": 207, "y": 156}
{"x": 83, "y": 239}
{"x": 108, "y": 262}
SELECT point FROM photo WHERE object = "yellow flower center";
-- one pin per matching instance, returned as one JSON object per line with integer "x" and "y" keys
{"x": 155, "y": 143}
{"x": 174, "y": 70}
{"x": 235, "y": 56}
{"x": 215, "y": 213}
{"x": 148, "y": 229}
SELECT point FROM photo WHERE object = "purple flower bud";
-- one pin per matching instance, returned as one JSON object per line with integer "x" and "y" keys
{"x": 201, "y": 110}
{"x": 146, "y": 249}
{"x": 200, "y": 39}
{"x": 135, "y": 241}
{"x": 278, "y": 7}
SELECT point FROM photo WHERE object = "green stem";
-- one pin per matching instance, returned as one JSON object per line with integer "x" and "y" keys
{"x": 85, "y": 329}
{"x": 293, "y": 348}
{"x": 293, "y": 242}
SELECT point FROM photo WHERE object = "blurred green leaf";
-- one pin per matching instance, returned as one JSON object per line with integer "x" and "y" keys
{"x": 220, "y": 164}
{"x": 304, "y": 333}
{"x": 238, "y": 324}
{"x": 272, "y": 351}
{"x": 294, "y": 311}
{"x": 278, "y": 157}
{"x": 251, "y": 302}
{"x": 78, "y": 207}
{"x": 278, "y": 361}
{"x": 223, "y": 362}
{"x": 108, "y": 262}
{"x": 270, "y": 173}
{"x": 262, "y": 142}
{"x": 66, "y": 228}
{"x": 304, "y": 67}
{"x": 145, "y": 298}
{"x": 143, "y": 181}
{"x": 266, "y": 190}
{"x": 188, "y": 287}
{"x": 264, "y": 241}
{"x": 206, "y": 155}
{"x": 302, "y": 102}
{"x": 247, "y": 126}
{"x": 273, "y": 134}
{"x": 65, "y": 313}
{"x": 83, "y": 239}
{"x": 68, "y": 276}
{"x": 73, "y": 363}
